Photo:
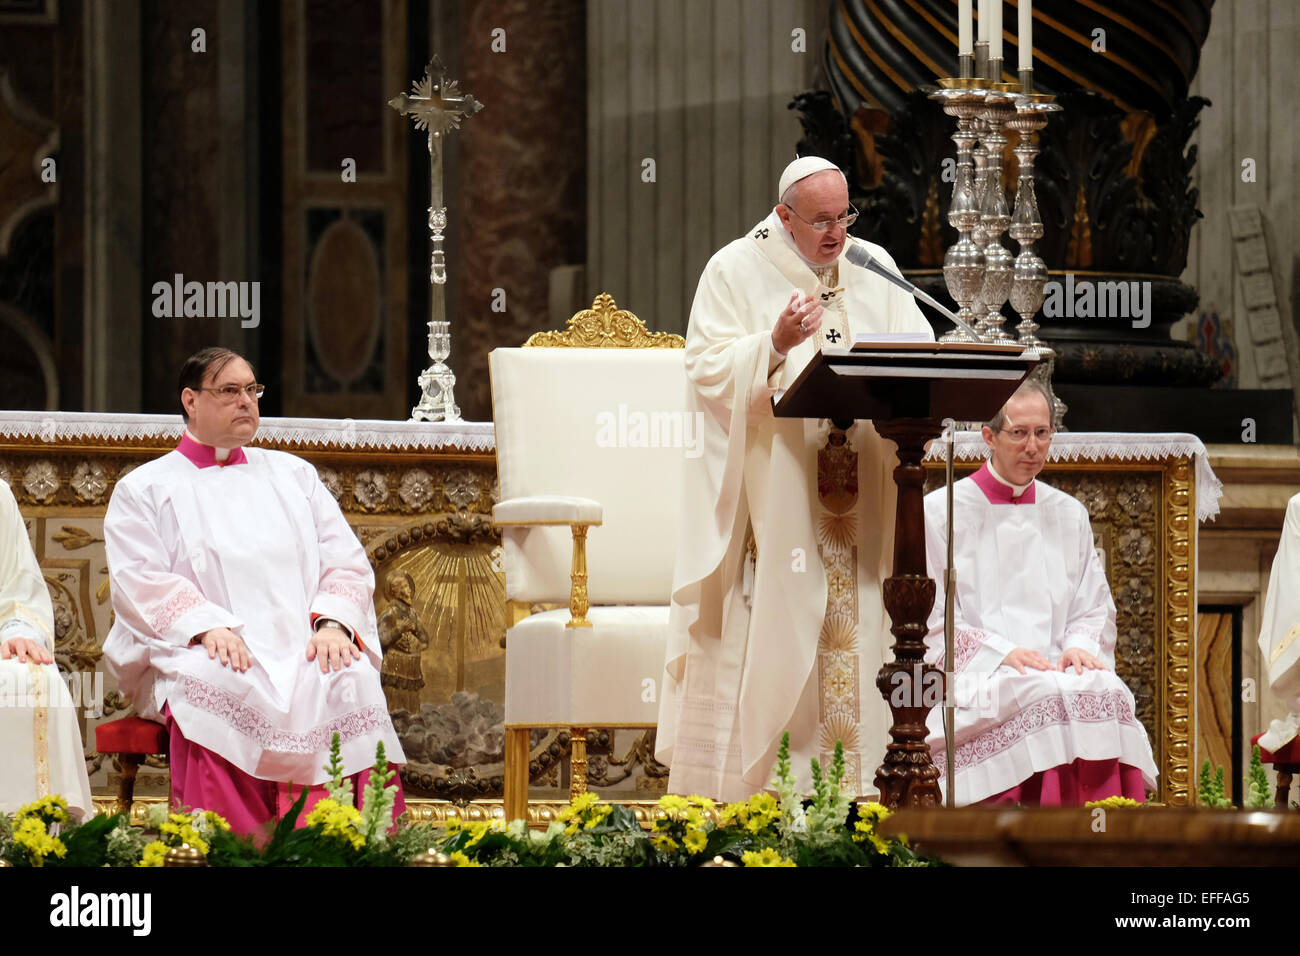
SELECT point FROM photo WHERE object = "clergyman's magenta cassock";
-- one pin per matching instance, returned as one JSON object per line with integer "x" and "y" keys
{"x": 256, "y": 544}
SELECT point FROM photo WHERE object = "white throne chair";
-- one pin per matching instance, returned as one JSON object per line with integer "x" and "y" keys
{"x": 591, "y": 431}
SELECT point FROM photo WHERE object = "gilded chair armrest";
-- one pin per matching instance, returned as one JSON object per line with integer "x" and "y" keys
{"x": 579, "y": 514}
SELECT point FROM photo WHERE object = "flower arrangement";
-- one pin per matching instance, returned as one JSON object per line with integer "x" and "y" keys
{"x": 769, "y": 829}
{"x": 765, "y": 830}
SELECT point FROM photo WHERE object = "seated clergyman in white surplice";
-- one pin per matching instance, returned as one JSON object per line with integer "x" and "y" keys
{"x": 245, "y": 620}
{"x": 1279, "y": 629}
{"x": 1041, "y": 716}
{"x": 777, "y": 621}
{"x": 41, "y": 751}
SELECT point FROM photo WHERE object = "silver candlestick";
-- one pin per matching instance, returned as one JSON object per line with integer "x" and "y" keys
{"x": 963, "y": 264}
{"x": 436, "y": 104}
{"x": 1029, "y": 276}
{"x": 995, "y": 217}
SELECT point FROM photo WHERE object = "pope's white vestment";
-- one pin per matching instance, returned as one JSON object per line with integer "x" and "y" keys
{"x": 784, "y": 630}
{"x": 258, "y": 547}
{"x": 41, "y": 750}
{"x": 1028, "y": 576}
{"x": 1279, "y": 629}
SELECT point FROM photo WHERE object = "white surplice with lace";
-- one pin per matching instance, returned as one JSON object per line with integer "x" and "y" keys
{"x": 1028, "y": 576}
{"x": 258, "y": 548}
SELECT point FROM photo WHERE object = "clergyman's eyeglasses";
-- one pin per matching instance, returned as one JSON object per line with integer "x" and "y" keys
{"x": 1020, "y": 435}
{"x": 229, "y": 394}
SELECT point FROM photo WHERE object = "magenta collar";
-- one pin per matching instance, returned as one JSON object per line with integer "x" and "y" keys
{"x": 205, "y": 456}
{"x": 999, "y": 494}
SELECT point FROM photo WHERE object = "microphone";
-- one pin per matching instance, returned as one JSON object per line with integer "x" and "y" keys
{"x": 859, "y": 256}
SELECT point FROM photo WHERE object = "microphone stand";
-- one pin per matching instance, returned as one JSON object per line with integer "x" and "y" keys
{"x": 949, "y": 631}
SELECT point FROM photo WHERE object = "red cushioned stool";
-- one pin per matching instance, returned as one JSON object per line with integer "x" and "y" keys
{"x": 132, "y": 739}
{"x": 1286, "y": 762}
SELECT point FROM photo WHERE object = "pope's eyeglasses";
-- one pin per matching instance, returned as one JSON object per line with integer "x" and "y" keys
{"x": 825, "y": 224}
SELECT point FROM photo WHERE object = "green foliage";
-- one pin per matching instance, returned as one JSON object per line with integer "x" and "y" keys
{"x": 1257, "y": 791}
{"x": 1210, "y": 790}
{"x": 88, "y": 843}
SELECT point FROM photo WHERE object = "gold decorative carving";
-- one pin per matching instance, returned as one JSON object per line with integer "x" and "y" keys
{"x": 578, "y": 764}
{"x": 1178, "y": 692}
{"x": 73, "y": 538}
{"x": 604, "y": 326}
{"x": 578, "y": 604}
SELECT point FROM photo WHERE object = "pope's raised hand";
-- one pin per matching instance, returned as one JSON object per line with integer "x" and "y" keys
{"x": 25, "y": 650}
{"x": 334, "y": 647}
{"x": 1021, "y": 658}
{"x": 224, "y": 644}
{"x": 800, "y": 319}
{"x": 1079, "y": 659}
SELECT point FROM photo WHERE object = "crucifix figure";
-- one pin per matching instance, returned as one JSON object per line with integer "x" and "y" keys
{"x": 437, "y": 105}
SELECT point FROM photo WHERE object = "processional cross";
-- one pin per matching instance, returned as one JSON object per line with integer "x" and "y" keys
{"x": 437, "y": 105}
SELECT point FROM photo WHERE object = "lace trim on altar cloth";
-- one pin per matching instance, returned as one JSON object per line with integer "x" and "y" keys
{"x": 352, "y": 593}
{"x": 1124, "y": 446}
{"x": 303, "y": 432}
{"x": 176, "y": 607}
{"x": 1083, "y": 706}
{"x": 253, "y": 724}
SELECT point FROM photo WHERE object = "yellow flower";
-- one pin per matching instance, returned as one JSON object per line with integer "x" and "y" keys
{"x": 32, "y": 836}
{"x": 704, "y": 803}
{"x": 460, "y": 859}
{"x": 1111, "y": 803}
{"x": 672, "y": 803}
{"x": 337, "y": 820}
{"x": 733, "y": 813}
{"x": 49, "y": 809}
{"x": 865, "y": 831}
{"x": 181, "y": 830}
{"x": 665, "y": 843}
{"x": 154, "y": 854}
{"x": 582, "y": 812}
{"x": 873, "y": 812}
{"x": 695, "y": 841}
{"x": 217, "y": 820}
{"x": 768, "y": 857}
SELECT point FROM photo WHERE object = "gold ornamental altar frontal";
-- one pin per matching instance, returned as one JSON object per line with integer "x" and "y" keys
{"x": 1146, "y": 495}
{"x": 419, "y": 497}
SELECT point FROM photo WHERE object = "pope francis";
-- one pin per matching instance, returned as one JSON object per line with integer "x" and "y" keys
{"x": 776, "y": 621}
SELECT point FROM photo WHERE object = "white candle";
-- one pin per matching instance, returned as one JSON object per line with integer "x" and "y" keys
{"x": 1025, "y": 33}
{"x": 983, "y": 34}
{"x": 995, "y": 31}
{"x": 963, "y": 28}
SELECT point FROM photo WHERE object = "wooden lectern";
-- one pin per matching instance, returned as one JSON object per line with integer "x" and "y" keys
{"x": 907, "y": 390}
